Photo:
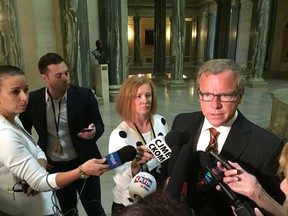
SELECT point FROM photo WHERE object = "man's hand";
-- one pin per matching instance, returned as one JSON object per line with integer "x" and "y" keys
{"x": 88, "y": 134}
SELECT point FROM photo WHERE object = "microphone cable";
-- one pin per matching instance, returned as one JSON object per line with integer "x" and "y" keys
{"x": 57, "y": 210}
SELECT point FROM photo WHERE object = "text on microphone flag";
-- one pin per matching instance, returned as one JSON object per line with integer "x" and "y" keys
{"x": 113, "y": 160}
{"x": 159, "y": 149}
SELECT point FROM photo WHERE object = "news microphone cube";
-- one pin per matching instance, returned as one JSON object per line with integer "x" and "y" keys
{"x": 159, "y": 149}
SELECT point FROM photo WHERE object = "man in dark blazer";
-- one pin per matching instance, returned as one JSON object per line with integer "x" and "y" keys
{"x": 59, "y": 112}
{"x": 220, "y": 89}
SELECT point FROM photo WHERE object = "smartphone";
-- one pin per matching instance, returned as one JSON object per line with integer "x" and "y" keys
{"x": 86, "y": 130}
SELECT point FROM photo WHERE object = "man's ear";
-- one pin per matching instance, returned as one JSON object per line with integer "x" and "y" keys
{"x": 44, "y": 77}
{"x": 240, "y": 98}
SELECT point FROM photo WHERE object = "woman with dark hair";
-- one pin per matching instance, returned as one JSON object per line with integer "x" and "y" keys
{"x": 23, "y": 174}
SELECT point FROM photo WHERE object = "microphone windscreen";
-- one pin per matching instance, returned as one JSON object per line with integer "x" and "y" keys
{"x": 173, "y": 138}
{"x": 142, "y": 185}
{"x": 127, "y": 153}
{"x": 123, "y": 155}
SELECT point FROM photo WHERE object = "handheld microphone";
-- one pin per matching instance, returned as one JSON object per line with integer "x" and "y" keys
{"x": 213, "y": 175}
{"x": 175, "y": 140}
{"x": 221, "y": 159}
{"x": 123, "y": 155}
{"x": 175, "y": 137}
{"x": 180, "y": 171}
{"x": 142, "y": 185}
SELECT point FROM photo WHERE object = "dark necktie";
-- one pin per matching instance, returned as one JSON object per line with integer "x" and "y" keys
{"x": 213, "y": 145}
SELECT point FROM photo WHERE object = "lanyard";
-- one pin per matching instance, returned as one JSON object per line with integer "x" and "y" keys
{"x": 140, "y": 134}
{"x": 56, "y": 120}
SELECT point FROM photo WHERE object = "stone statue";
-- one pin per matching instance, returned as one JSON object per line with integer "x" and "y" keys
{"x": 99, "y": 52}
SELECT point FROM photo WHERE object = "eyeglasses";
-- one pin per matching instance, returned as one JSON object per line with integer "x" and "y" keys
{"x": 224, "y": 97}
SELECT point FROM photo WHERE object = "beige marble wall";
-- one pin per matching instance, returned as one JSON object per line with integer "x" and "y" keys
{"x": 28, "y": 42}
{"x": 280, "y": 23}
{"x": 279, "y": 113}
{"x": 40, "y": 32}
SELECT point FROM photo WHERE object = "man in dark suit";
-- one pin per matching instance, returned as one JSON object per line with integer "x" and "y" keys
{"x": 220, "y": 89}
{"x": 59, "y": 112}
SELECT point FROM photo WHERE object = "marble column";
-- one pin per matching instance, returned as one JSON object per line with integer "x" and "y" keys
{"x": 245, "y": 17}
{"x": 222, "y": 29}
{"x": 10, "y": 53}
{"x": 233, "y": 32}
{"x": 188, "y": 38}
{"x": 113, "y": 22}
{"x": 159, "y": 39}
{"x": 259, "y": 44}
{"x": 194, "y": 39}
{"x": 178, "y": 25}
{"x": 76, "y": 41}
{"x": 136, "y": 20}
{"x": 202, "y": 50}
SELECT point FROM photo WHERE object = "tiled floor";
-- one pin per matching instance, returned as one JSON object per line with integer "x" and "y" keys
{"x": 256, "y": 106}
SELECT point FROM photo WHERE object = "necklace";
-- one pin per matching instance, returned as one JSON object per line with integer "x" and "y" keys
{"x": 15, "y": 124}
{"x": 141, "y": 137}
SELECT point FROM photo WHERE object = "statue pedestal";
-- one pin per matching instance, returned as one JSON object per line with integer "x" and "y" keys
{"x": 102, "y": 82}
{"x": 176, "y": 84}
{"x": 256, "y": 83}
{"x": 113, "y": 92}
{"x": 279, "y": 113}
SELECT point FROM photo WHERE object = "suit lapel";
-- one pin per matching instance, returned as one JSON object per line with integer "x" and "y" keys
{"x": 41, "y": 101}
{"x": 71, "y": 105}
{"x": 238, "y": 138}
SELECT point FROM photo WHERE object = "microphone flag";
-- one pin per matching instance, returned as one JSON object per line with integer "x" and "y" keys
{"x": 159, "y": 149}
{"x": 142, "y": 185}
{"x": 113, "y": 160}
{"x": 116, "y": 159}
